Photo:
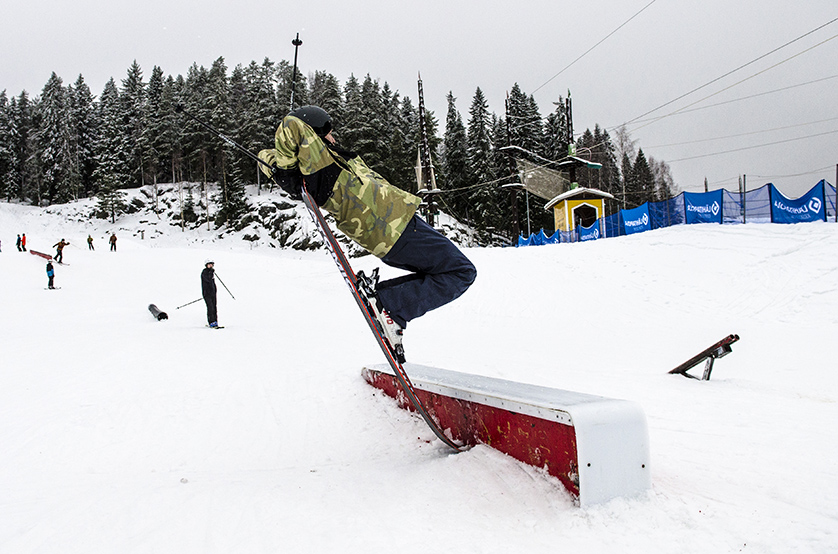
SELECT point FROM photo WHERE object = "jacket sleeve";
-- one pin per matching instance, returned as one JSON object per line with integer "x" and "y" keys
{"x": 297, "y": 146}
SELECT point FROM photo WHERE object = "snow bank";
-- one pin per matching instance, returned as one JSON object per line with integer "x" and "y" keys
{"x": 124, "y": 434}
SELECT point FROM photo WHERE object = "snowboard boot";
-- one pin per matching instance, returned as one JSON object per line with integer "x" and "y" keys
{"x": 392, "y": 331}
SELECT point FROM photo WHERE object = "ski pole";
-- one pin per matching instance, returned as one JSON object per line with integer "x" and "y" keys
{"x": 225, "y": 286}
{"x": 180, "y": 109}
{"x": 188, "y": 303}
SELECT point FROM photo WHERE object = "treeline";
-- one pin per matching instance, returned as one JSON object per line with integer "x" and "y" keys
{"x": 66, "y": 144}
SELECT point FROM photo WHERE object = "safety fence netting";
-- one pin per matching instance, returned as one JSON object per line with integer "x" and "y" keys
{"x": 763, "y": 205}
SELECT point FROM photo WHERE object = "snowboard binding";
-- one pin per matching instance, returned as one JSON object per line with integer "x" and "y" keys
{"x": 389, "y": 329}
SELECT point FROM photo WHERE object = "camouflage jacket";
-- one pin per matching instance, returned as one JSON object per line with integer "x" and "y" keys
{"x": 368, "y": 209}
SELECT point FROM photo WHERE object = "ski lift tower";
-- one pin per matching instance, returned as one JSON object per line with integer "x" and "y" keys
{"x": 572, "y": 161}
{"x": 425, "y": 180}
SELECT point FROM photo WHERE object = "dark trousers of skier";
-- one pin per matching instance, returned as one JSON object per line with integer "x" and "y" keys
{"x": 59, "y": 255}
{"x": 212, "y": 309}
{"x": 440, "y": 272}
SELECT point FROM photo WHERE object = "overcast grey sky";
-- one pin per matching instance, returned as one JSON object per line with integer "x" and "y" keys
{"x": 671, "y": 48}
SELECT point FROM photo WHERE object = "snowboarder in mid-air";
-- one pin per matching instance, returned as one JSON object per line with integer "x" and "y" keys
{"x": 377, "y": 215}
{"x": 209, "y": 292}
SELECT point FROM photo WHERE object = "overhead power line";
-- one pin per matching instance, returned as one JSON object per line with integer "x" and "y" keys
{"x": 730, "y": 151}
{"x": 626, "y": 22}
{"x": 738, "y": 82}
{"x": 733, "y": 71}
{"x": 717, "y": 104}
{"x": 742, "y": 134}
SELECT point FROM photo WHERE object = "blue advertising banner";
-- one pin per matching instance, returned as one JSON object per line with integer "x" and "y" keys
{"x": 809, "y": 207}
{"x": 636, "y": 220}
{"x": 589, "y": 233}
{"x": 703, "y": 207}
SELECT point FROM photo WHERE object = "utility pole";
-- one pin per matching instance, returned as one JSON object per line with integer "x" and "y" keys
{"x": 297, "y": 43}
{"x": 744, "y": 198}
{"x": 424, "y": 168}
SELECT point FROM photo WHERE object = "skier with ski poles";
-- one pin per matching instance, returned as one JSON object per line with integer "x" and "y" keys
{"x": 209, "y": 292}
{"x": 377, "y": 215}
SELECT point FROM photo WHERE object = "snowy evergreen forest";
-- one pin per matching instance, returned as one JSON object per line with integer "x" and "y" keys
{"x": 66, "y": 143}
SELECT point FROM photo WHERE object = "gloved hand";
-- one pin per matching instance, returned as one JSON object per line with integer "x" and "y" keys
{"x": 289, "y": 180}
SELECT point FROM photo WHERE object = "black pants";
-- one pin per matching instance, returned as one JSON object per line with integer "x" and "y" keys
{"x": 59, "y": 256}
{"x": 212, "y": 309}
{"x": 440, "y": 272}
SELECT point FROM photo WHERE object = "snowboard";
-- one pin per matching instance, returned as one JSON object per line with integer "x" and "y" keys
{"x": 352, "y": 282}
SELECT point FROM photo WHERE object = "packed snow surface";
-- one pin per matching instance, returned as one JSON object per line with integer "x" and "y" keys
{"x": 119, "y": 433}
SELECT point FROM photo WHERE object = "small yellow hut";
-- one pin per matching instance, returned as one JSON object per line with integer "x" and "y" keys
{"x": 579, "y": 206}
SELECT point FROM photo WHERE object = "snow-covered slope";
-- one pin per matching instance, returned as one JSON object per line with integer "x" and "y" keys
{"x": 120, "y": 433}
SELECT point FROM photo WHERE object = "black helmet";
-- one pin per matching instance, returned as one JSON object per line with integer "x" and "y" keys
{"x": 316, "y": 117}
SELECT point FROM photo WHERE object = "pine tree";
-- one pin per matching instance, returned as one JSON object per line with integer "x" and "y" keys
{"x": 351, "y": 129}
{"x": 555, "y": 133}
{"x": 410, "y": 133}
{"x": 479, "y": 156}
{"x": 173, "y": 96}
{"x": 156, "y": 128}
{"x": 524, "y": 121}
{"x": 371, "y": 140}
{"x": 324, "y": 91}
{"x": 112, "y": 151}
{"x": 53, "y": 139}
{"x": 83, "y": 131}
{"x": 398, "y": 162}
{"x": 197, "y": 141}
{"x": 21, "y": 111}
{"x": 454, "y": 173}
{"x": 233, "y": 203}
{"x": 644, "y": 181}
{"x": 284, "y": 73}
{"x": 133, "y": 106}
{"x": 8, "y": 138}
{"x": 259, "y": 118}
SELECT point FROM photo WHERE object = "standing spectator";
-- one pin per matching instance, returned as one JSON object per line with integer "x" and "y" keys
{"x": 90, "y": 243}
{"x": 208, "y": 291}
{"x": 50, "y": 275}
{"x": 113, "y": 242}
{"x": 23, "y": 242}
{"x": 59, "y": 250}
{"x": 18, "y": 243}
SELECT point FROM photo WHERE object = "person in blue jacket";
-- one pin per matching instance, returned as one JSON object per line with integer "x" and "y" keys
{"x": 51, "y": 275}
